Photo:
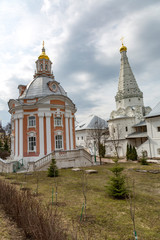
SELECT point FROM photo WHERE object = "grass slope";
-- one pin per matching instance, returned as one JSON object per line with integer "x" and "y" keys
{"x": 8, "y": 229}
{"x": 107, "y": 218}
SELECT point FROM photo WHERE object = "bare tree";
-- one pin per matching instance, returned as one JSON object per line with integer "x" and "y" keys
{"x": 84, "y": 190}
{"x": 131, "y": 200}
{"x": 115, "y": 139}
{"x": 98, "y": 133}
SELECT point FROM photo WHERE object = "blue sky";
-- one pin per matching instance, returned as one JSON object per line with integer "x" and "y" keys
{"x": 82, "y": 39}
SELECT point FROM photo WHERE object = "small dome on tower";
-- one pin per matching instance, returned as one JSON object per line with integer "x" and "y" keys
{"x": 123, "y": 48}
{"x": 43, "y": 54}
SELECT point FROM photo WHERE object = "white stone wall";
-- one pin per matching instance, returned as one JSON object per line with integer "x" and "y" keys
{"x": 126, "y": 102}
{"x": 154, "y": 136}
{"x": 81, "y": 137}
{"x": 111, "y": 151}
{"x": 119, "y": 126}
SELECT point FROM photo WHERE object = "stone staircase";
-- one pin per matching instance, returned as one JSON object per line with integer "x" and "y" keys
{"x": 65, "y": 159}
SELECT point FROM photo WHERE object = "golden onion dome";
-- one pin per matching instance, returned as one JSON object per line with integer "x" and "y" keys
{"x": 43, "y": 54}
{"x": 123, "y": 48}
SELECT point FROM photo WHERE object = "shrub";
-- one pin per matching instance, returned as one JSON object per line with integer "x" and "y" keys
{"x": 117, "y": 188}
{"x": 53, "y": 170}
{"x": 143, "y": 160}
{"x": 4, "y": 154}
{"x": 37, "y": 222}
{"x": 131, "y": 153}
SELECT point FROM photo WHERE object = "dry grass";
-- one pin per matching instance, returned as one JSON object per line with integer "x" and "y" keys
{"x": 106, "y": 218}
{"x": 8, "y": 228}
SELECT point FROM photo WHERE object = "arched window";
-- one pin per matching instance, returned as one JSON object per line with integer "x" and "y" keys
{"x": 46, "y": 67}
{"x": 32, "y": 121}
{"x": 41, "y": 67}
{"x": 58, "y": 142}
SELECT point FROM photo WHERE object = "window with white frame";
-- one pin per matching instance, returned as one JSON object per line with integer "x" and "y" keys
{"x": 32, "y": 144}
{"x": 58, "y": 141}
{"x": 58, "y": 121}
{"x": 158, "y": 151}
{"x": 32, "y": 121}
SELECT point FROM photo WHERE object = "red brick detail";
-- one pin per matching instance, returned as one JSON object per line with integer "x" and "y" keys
{"x": 37, "y": 135}
{"x": 69, "y": 134}
{"x": 52, "y": 133}
{"x": 64, "y": 133}
{"x": 57, "y": 102}
{"x": 25, "y": 140}
{"x": 31, "y": 110}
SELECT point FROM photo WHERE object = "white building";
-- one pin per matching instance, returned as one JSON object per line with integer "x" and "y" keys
{"x": 86, "y": 131}
{"x": 152, "y": 145}
{"x": 130, "y": 111}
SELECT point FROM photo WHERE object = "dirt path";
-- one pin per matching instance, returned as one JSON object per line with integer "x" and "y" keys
{"x": 8, "y": 229}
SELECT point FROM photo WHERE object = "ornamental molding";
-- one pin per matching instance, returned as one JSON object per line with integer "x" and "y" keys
{"x": 53, "y": 86}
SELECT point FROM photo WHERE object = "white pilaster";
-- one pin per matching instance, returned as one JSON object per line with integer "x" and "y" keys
{"x": 41, "y": 133}
{"x": 67, "y": 132}
{"x": 12, "y": 145}
{"x": 71, "y": 133}
{"x": 16, "y": 136}
{"x": 20, "y": 116}
{"x": 48, "y": 131}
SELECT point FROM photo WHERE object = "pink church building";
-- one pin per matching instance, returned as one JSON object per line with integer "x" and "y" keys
{"x": 43, "y": 117}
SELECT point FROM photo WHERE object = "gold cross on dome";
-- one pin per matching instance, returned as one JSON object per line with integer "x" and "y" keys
{"x": 122, "y": 38}
{"x": 43, "y": 44}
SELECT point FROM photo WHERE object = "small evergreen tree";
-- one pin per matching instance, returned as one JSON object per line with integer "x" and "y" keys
{"x": 135, "y": 156}
{"x": 6, "y": 147}
{"x": 53, "y": 170}
{"x": 131, "y": 153}
{"x": 1, "y": 145}
{"x": 102, "y": 150}
{"x": 127, "y": 152}
{"x": 143, "y": 159}
{"x": 117, "y": 188}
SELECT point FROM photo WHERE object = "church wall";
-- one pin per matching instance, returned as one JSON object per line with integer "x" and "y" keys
{"x": 145, "y": 147}
{"x": 119, "y": 126}
{"x": 152, "y": 127}
{"x": 154, "y": 135}
{"x": 127, "y": 102}
{"x": 111, "y": 151}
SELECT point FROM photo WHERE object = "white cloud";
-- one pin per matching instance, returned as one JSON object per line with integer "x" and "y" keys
{"x": 82, "y": 38}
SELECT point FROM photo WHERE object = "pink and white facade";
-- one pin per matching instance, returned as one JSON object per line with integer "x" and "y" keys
{"x": 42, "y": 117}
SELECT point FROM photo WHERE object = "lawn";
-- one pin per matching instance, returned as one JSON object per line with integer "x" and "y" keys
{"x": 107, "y": 218}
